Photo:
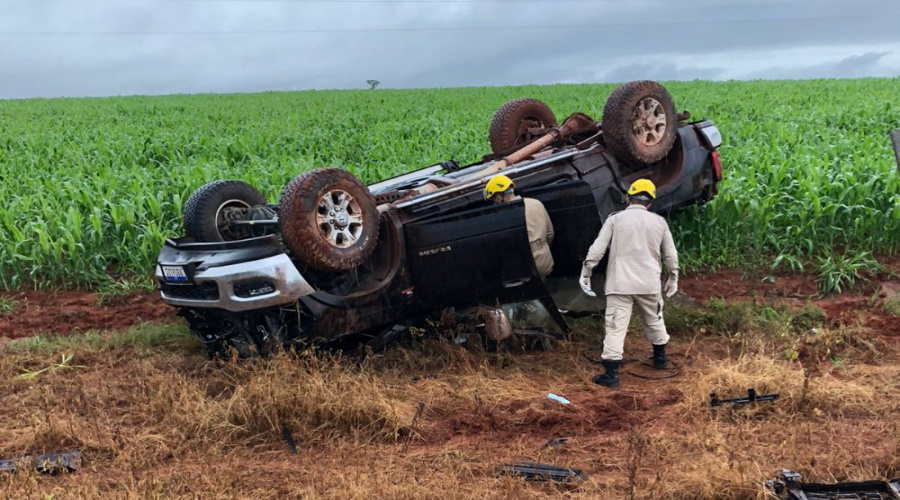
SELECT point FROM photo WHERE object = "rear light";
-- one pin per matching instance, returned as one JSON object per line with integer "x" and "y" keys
{"x": 717, "y": 164}
{"x": 712, "y": 135}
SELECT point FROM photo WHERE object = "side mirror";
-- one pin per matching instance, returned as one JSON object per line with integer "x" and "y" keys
{"x": 895, "y": 140}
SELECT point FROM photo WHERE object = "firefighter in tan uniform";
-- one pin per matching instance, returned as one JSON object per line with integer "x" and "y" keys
{"x": 637, "y": 240}
{"x": 540, "y": 230}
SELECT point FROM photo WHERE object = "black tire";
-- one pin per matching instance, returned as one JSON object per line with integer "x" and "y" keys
{"x": 205, "y": 213}
{"x": 639, "y": 122}
{"x": 511, "y": 122}
{"x": 313, "y": 228}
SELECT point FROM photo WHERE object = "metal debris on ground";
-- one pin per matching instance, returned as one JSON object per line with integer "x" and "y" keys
{"x": 558, "y": 399}
{"x": 289, "y": 438}
{"x": 52, "y": 463}
{"x": 555, "y": 443}
{"x": 787, "y": 486}
{"x": 752, "y": 397}
{"x": 533, "y": 471}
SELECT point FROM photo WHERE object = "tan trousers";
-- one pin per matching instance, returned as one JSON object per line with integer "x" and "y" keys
{"x": 618, "y": 315}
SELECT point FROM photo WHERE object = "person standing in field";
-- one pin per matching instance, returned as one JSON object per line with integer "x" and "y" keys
{"x": 540, "y": 229}
{"x": 637, "y": 240}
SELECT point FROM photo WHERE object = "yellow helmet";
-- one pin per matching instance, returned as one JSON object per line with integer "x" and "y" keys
{"x": 643, "y": 186}
{"x": 498, "y": 184}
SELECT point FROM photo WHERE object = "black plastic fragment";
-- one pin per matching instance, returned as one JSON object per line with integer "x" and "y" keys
{"x": 555, "y": 442}
{"x": 752, "y": 397}
{"x": 787, "y": 486}
{"x": 289, "y": 438}
{"x": 52, "y": 463}
{"x": 533, "y": 471}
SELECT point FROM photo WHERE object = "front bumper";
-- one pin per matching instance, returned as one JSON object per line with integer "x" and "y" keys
{"x": 244, "y": 286}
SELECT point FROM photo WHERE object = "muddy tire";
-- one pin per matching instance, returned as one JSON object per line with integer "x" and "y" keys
{"x": 206, "y": 212}
{"x": 511, "y": 123}
{"x": 329, "y": 220}
{"x": 639, "y": 122}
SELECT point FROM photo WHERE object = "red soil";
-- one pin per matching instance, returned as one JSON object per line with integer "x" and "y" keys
{"x": 863, "y": 304}
{"x": 67, "y": 312}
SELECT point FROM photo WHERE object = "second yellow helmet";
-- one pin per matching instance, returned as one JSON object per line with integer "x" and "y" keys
{"x": 643, "y": 186}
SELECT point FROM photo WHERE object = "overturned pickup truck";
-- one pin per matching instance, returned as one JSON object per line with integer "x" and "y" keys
{"x": 339, "y": 261}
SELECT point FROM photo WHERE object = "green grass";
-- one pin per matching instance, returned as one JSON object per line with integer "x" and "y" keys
{"x": 8, "y": 305}
{"x": 892, "y": 304}
{"x": 99, "y": 183}
{"x": 142, "y": 338}
{"x": 837, "y": 272}
{"x": 720, "y": 317}
{"x": 111, "y": 290}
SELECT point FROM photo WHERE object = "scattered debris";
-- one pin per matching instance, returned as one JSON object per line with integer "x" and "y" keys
{"x": 555, "y": 443}
{"x": 496, "y": 324}
{"x": 533, "y": 471}
{"x": 752, "y": 397}
{"x": 558, "y": 399}
{"x": 787, "y": 485}
{"x": 289, "y": 438}
{"x": 386, "y": 337}
{"x": 53, "y": 463}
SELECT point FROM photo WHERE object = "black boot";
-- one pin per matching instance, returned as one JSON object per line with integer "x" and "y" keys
{"x": 611, "y": 377}
{"x": 660, "y": 360}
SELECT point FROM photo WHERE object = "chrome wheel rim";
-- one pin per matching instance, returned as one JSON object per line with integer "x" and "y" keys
{"x": 648, "y": 122}
{"x": 339, "y": 218}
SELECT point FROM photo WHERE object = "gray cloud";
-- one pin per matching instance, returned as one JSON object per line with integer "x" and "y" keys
{"x": 669, "y": 71}
{"x": 867, "y": 64}
{"x": 111, "y": 47}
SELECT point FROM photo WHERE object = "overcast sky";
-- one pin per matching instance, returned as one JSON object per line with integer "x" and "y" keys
{"x": 120, "y": 47}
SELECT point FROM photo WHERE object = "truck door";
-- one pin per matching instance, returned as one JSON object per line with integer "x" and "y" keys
{"x": 576, "y": 223}
{"x": 480, "y": 256}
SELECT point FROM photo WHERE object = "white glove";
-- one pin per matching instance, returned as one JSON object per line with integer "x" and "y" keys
{"x": 585, "y": 282}
{"x": 672, "y": 284}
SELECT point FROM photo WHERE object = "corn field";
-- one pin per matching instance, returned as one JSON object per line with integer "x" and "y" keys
{"x": 92, "y": 187}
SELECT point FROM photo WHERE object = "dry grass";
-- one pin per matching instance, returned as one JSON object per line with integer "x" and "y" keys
{"x": 891, "y": 304}
{"x": 435, "y": 420}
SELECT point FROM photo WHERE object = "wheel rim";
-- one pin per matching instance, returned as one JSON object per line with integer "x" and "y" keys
{"x": 224, "y": 216}
{"x": 339, "y": 218}
{"x": 648, "y": 122}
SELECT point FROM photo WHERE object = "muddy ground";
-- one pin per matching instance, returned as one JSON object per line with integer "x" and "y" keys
{"x": 66, "y": 312}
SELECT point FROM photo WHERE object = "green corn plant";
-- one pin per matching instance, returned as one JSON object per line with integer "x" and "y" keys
{"x": 92, "y": 185}
{"x": 836, "y": 272}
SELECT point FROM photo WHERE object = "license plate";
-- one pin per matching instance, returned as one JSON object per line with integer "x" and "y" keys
{"x": 174, "y": 273}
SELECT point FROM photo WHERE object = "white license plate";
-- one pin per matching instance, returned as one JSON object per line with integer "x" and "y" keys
{"x": 174, "y": 273}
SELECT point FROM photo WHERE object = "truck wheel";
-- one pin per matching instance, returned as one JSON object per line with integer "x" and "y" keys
{"x": 518, "y": 122}
{"x": 208, "y": 210}
{"x": 639, "y": 122}
{"x": 329, "y": 219}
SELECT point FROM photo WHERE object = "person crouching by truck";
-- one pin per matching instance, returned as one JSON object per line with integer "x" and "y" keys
{"x": 540, "y": 229}
{"x": 637, "y": 240}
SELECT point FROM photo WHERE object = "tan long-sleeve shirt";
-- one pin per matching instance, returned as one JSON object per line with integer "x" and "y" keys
{"x": 637, "y": 240}
{"x": 540, "y": 235}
